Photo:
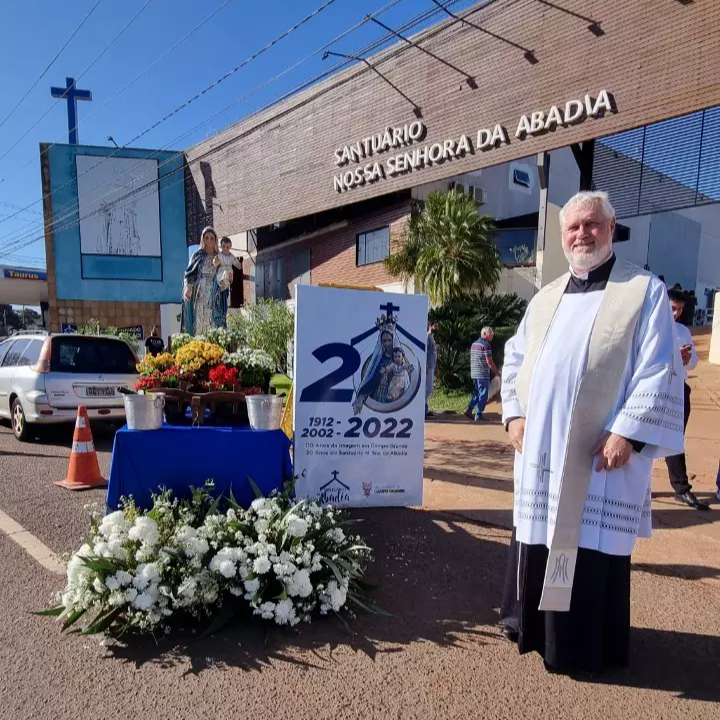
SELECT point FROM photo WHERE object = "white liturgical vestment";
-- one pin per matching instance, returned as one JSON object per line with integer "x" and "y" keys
{"x": 648, "y": 409}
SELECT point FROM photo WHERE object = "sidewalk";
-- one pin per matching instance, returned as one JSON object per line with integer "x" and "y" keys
{"x": 468, "y": 471}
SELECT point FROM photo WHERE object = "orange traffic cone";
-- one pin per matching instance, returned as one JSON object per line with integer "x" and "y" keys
{"x": 84, "y": 471}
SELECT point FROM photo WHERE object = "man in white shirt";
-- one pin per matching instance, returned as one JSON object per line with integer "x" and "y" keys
{"x": 591, "y": 395}
{"x": 676, "y": 463}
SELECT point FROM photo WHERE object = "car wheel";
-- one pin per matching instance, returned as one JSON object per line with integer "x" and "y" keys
{"x": 20, "y": 426}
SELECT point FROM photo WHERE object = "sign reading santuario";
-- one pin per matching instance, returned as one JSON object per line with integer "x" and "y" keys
{"x": 414, "y": 156}
{"x": 359, "y": 395}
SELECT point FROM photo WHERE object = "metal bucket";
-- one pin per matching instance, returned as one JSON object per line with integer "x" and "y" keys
{"x": 264, "y": 411}
{"x": 144, "y": 412}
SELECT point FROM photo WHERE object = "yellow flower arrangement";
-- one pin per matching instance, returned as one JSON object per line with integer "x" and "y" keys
{"x": 197, "y": 355}
{"x": 161, "y": 362}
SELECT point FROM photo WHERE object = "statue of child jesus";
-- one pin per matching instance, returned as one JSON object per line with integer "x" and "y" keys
{"x": 401, "y": 370}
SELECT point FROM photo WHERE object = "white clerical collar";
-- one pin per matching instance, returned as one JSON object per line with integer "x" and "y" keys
{"x": 585, "y": 275}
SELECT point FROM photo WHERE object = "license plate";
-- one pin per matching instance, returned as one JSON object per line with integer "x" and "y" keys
{"x": 100, "y": 391}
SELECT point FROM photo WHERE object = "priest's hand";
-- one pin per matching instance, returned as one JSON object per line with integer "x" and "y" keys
{"x": 613, "y": 452}
{"x": 516, "y": 431}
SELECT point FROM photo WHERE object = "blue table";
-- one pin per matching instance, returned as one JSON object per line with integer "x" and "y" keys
{"x": 180, "y": 457}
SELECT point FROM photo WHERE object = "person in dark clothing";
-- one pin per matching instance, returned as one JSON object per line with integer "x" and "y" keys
{"x": 688, "y": 315}
{"x": 154, "y": 344}
{"x": 676, "y": 465}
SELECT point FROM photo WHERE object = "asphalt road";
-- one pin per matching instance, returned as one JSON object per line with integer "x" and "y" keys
{"x": 440, "y": 657}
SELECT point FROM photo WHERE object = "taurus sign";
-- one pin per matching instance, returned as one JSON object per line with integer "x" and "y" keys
{"x": 561, "y": 569}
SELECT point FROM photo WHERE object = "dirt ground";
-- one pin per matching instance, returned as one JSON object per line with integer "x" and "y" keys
{"x": 440, "y": 571}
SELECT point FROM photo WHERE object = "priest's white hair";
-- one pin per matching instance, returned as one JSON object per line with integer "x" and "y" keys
{"x": 596, "y": 198}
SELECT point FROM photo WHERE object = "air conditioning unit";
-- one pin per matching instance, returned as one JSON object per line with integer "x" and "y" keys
{"x": 478, "y": 194}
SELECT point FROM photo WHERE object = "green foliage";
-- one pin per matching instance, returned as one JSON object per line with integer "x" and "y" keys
{"x": 93, "y": 327}
{"x": 9, "y": 320}
{"x": 229, "y": 340}
{"x": 267, "y": 325}
{"x": 281, "y": 384}
{"x": 449, "y": 400}
{"x": 448, "y": 248}
{"x": 461, "y": 321}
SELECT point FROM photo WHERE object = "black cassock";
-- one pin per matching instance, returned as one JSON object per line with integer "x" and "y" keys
{"x": 594, "y": 634}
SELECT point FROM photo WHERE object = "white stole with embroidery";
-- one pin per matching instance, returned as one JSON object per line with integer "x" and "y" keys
{"x": 623, "y": 380}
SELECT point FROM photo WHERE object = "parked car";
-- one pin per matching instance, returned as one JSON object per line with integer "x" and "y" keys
{"x": 45, "y": 377}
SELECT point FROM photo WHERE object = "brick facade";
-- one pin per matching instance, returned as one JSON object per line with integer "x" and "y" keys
{"x": 333, "y": 256}
{"x": 658, "y": 60}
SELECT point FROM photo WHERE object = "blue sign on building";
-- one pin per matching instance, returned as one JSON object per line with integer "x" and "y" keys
{"x": 25, "y": 274}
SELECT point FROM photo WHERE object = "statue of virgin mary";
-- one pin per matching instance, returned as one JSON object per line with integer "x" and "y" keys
{"x": 376, "y": 379}
{"x": 200, "y": 288}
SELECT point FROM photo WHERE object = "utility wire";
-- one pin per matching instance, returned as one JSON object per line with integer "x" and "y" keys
{"x": 77, "y": 80}
{"x": 71, "y": 207}
{"x": 203, "y": 92}
{"x": 132, "y": 82}
{"x": 413, "y": 22}
{"x": 50, "y": 64}
{"x": 17, "y": 242}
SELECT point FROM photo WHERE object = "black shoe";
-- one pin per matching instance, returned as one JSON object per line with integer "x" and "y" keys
{"x": 510, "y": 633}
{"x": 688, "y": 498}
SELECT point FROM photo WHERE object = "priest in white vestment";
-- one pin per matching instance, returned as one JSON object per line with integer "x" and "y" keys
{"x": 592, "y": 392}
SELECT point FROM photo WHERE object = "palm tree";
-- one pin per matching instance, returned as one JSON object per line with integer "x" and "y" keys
{"x": 448, "y": 248}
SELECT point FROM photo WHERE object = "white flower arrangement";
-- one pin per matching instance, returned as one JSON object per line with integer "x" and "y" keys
{"x": 281, "y": 561}
{"x": 248, "y": 359}
{"x": 255, "y": 366}
{"x": 228, "y": 340}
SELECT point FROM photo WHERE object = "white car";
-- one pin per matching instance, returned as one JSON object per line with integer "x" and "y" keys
{"x": 44, "y": 378}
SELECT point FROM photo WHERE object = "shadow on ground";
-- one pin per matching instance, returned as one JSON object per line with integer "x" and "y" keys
{"x": 684, "y": 572}
{"x": 675, "y": 662}
{"x": 469, "y": 461}
{"x": 61, "y": 435}
{"x": 449, "y": 417}
{"x": 438, "y": 574}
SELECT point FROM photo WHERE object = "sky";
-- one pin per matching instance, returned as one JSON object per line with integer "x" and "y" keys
{"x": 35, "y": 30}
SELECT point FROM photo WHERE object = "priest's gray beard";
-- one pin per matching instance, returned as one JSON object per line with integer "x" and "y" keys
{"x": 583, "y": 262}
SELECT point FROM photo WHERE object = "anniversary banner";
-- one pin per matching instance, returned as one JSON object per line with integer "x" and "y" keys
{"x": 359, "y": 396}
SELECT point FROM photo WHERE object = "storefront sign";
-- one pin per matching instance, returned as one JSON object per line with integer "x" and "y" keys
{"x": 25, "y": 274}
{"x": 418, "y": 157}
{"x": 136, "y": 330}
{"x": 359, "y": 396}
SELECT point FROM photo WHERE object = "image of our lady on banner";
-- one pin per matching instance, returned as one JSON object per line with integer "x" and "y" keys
{"x": 391, "y": 375}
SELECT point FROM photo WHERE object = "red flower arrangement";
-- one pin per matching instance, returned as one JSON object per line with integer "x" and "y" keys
{"x": 223, "y": 377}
{"x": 145, "y": 383}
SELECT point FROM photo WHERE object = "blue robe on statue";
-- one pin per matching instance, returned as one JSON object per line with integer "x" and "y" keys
{"x": 219, "y": 298}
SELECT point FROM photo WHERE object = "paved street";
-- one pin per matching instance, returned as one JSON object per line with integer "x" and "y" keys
{"x": 440, "y": 570}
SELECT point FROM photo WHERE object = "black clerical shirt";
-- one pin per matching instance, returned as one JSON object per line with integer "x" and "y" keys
{"x": 593, "y": 281}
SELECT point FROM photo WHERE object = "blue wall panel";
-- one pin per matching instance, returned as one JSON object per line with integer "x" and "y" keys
{"x": 118, "y": 278}
{"x": 114, "y": 267}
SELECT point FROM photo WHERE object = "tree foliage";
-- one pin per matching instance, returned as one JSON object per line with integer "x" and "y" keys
{"x": 448, "y": 248}
{"x": 268, "y": 325}
{"x": 94, "y": 327}
{"x": 460, "y": 322}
